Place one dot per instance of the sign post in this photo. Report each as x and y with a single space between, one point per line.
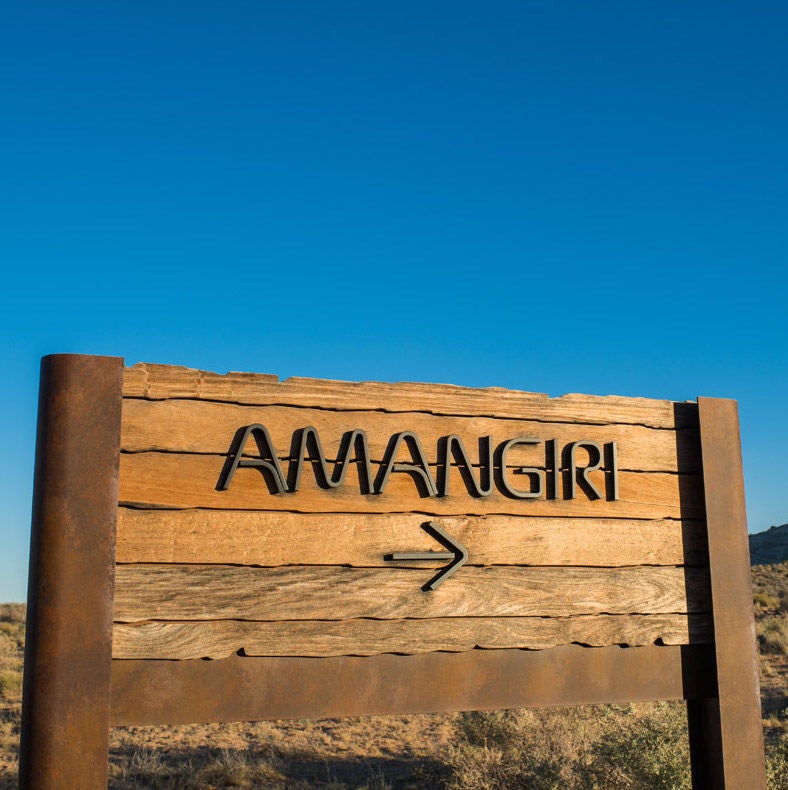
345 549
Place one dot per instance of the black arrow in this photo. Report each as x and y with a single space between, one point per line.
457 553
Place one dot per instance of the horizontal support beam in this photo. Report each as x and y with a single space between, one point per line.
247 689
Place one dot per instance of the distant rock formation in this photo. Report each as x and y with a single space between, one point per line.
769 547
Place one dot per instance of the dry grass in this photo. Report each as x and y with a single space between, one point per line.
770 593
635 746
372 752
771 583
12 645
773 634
515 747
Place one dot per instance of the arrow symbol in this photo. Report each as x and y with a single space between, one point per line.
457 553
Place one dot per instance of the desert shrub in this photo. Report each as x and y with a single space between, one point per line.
493 768
648 751
12 637
777 763
488 728
639 747
773 634
772 582
765 602
518 748
10 683
535 748
626 746
12 612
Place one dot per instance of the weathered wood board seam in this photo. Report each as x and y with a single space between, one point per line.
681 427
182 640
317 391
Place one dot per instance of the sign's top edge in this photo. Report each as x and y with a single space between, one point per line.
154 380
158 370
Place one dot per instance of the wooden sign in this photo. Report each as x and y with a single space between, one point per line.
231 547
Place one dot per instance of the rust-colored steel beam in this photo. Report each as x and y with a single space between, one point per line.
246 689
726 734
65 706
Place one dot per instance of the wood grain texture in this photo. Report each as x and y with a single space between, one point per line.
279 538
197 592
173 480
185 640
159 382
204 427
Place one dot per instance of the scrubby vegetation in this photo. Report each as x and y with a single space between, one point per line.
770 588
12 645
634 746
770 596
773 635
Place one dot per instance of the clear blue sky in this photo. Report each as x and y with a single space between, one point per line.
549 196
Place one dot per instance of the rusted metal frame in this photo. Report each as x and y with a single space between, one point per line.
245 689
68 648
726 734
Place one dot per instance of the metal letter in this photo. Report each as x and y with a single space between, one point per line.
612 471
353 440
517 493
420 468
585 483
267 462
451 446
556 464
306 443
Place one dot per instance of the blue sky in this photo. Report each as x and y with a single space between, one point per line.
549 196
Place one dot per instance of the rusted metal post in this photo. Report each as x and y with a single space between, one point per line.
68 650
726 734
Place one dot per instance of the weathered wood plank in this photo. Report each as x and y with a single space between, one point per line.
222 638
173 480
205 427
237 537
188 592
159 382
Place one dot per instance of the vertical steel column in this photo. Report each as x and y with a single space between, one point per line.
726 734
68 650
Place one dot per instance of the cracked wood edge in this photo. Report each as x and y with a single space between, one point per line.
190 640
158 382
